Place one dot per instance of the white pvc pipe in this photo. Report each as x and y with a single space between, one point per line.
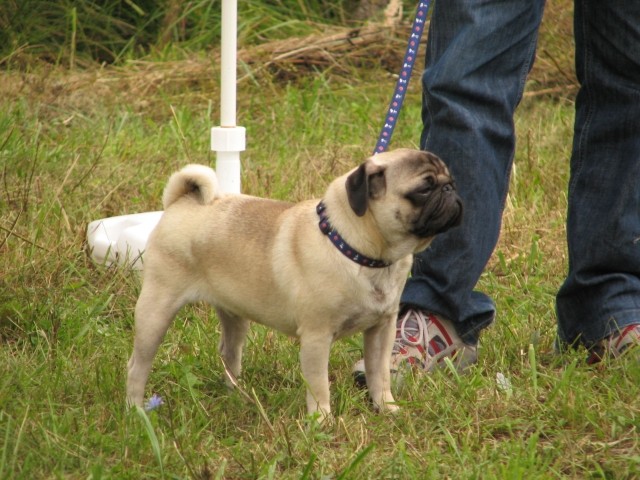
228 140
228 171
229 43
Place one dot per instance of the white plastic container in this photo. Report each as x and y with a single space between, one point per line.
121 239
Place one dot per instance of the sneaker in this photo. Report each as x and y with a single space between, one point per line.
616 344
423 341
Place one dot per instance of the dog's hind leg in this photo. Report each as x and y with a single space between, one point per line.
155 310
234 332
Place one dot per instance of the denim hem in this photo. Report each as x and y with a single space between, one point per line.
597 331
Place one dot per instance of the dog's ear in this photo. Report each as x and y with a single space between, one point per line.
365 183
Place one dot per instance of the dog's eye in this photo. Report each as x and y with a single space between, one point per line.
428 186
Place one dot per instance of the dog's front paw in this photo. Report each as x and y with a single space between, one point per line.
319 418
388 408
385 403
319 414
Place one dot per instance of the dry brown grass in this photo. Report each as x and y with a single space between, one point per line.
554 70
332 50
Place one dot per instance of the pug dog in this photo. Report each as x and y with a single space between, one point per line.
318 270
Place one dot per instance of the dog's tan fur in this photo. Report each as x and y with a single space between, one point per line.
267 261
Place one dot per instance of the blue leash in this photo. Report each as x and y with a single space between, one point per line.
403 80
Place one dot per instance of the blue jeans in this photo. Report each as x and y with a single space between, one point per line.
478 56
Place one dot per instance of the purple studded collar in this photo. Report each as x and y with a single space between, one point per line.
342 245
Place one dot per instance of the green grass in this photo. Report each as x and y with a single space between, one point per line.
112 31
80 145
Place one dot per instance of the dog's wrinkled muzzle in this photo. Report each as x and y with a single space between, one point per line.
439 214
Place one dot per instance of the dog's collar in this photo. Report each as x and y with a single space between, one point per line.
346 249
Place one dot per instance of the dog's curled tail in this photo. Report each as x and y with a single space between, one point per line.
198 181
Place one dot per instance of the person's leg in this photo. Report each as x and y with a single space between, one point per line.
478 57
601 294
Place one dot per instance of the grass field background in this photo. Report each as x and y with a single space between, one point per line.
82 140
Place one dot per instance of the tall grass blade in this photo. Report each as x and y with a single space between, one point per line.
19 440
153 438
138 10
452 368
5 445
346 473
563 384
306 473
74 32
534 368
221 469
